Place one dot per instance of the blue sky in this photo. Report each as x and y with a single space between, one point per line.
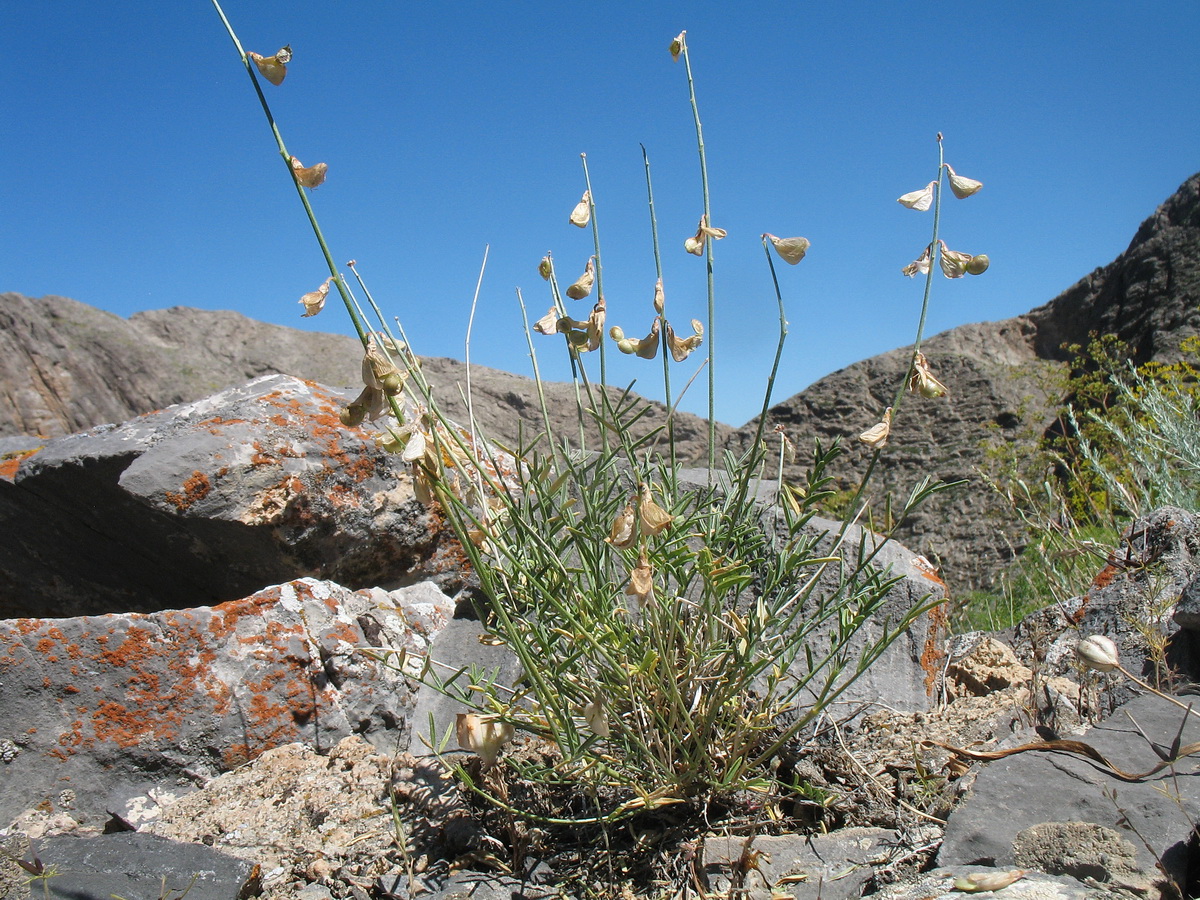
142 174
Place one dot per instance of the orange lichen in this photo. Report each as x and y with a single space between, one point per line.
11 462
932 653
195 489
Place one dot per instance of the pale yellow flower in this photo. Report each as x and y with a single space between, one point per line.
790 250
646 348
695 244
624 528
547 324
582 213
659 299
681 348
309 177
920 200
962 186
922 380
314 301
953 263
583 286
877 436
484 735
653 518
273 68
920 264
641 580
1099 653
596 717
677 45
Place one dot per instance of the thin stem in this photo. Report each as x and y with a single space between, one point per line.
287 159
658 272
599 266
537 381
712 383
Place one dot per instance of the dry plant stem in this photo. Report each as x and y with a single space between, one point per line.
556 295
711 336
658 272
287 161
1186 707
467 345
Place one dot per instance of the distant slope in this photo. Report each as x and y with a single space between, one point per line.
1148 296
66 366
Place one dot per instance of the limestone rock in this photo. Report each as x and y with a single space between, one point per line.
211 501
118 714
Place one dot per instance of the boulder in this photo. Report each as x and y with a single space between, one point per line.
117 714
210 501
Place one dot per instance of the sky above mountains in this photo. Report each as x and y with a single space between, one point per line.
143 175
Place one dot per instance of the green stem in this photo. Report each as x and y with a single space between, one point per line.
287 160
599 266
537 381
658 272
712 383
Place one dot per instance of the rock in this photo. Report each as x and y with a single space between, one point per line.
939 885
1020 805
134 866
127 712
833 866
1132 600
211 501
1087 852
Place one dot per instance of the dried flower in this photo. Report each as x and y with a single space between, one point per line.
876 436
646 348
546 268
309 177
652 517
484 735
920 264
660 300
624 529
596 717
314 301
681 348
678 45
920 200
582 213
987 881
369 404
961 186
1099 653
641 580
790 250
378 369
922 380
273 68
953 263
695 244
583 286
547 324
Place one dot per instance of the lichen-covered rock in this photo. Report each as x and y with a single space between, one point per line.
119 713
211 501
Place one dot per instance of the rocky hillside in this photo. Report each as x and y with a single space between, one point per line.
66 366
996 371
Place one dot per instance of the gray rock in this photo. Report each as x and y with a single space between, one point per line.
834 866
130 711
211 501
135 867
1029 790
